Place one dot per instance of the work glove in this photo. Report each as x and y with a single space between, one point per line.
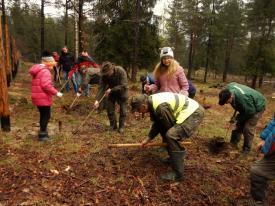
78 94
59 94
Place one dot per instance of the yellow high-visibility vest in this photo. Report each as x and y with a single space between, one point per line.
181 105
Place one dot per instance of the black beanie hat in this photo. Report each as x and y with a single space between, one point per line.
224 96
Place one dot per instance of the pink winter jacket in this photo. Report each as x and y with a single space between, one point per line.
42 88
177 83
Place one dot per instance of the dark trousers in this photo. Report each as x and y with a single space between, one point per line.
260 173
111 111
45 115
245 127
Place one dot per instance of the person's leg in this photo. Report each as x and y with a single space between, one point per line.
237 132
248 131
122 114
260 172
66 73
175 150
111 113
45 115
55 73
74 81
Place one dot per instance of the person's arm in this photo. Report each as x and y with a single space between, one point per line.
101 88
183 82
46 82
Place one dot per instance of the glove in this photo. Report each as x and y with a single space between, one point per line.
59 94
78 94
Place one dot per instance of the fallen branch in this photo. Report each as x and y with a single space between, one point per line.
148 145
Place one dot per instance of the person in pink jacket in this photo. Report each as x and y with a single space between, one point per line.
169 75
42 91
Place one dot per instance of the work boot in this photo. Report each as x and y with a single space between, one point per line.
177 166
43 136
113 125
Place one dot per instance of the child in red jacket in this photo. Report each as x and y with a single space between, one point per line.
43 90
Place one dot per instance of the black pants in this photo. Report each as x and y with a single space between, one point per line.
45 115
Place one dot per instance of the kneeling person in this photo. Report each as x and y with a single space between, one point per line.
175 117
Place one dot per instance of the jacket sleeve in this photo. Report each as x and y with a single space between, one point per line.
156 86
75 67
46 82
123 82
267 130
183 82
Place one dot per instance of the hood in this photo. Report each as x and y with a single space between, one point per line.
35 69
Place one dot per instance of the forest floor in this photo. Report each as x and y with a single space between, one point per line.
81 170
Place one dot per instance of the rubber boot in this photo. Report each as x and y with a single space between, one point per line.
177 166
43 136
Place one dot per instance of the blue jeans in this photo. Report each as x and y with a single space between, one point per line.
75 82
66 74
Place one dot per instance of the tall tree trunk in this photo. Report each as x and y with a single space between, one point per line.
80 22
261 80
8 53
254 81
66 24
190 56
76 34
42 27
135 60
229 46
4 105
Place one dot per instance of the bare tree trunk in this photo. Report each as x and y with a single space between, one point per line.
80 22
254 81
261 80
42 27
76 37
229 46
66 24
190 56
4 105
135 60
8 54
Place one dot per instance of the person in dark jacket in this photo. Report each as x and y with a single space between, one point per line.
66 60
264 170
250 104
113 84
175 117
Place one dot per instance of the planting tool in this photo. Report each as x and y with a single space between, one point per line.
72 104
88 116
148 145
64 84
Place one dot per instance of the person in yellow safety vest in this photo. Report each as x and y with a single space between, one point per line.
175 117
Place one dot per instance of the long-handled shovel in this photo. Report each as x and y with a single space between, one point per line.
148 145
72 104
88 116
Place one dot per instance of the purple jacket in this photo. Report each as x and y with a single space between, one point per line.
177 83
42 88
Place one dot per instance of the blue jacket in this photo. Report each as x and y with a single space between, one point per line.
268 135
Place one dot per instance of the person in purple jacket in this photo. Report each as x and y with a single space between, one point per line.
169 75
42 91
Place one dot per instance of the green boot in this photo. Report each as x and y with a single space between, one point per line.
177 164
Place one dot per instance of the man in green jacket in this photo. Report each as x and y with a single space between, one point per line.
250 104
113 84
175 117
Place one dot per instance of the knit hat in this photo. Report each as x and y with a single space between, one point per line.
106 67
224 96
47 57
166 51
137 101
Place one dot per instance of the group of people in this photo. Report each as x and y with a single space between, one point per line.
83 72
175 116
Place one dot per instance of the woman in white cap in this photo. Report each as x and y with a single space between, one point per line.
169 75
